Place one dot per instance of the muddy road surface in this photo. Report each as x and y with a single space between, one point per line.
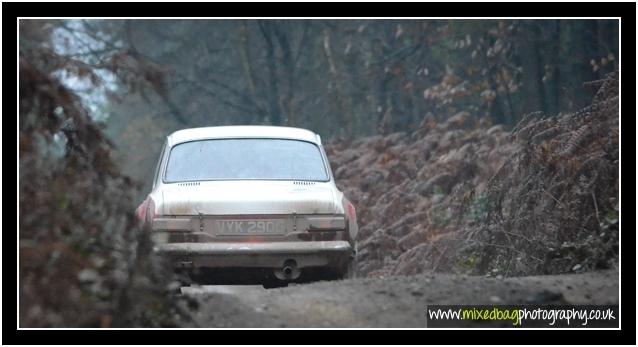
392 302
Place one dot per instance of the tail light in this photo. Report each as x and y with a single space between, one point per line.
351 212
140 212
351 218
146 211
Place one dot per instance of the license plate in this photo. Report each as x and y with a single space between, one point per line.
250 227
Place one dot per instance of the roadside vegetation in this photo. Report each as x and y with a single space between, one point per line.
83 260
469 197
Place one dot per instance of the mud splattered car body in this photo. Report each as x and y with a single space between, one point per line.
244 198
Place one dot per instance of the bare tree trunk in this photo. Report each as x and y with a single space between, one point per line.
532 65
289 67
380 85
273 91
345 118
539 69
586 31
496 109
553 84
246 61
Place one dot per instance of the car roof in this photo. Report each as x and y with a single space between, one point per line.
242 131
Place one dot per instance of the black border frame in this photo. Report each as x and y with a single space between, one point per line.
627 12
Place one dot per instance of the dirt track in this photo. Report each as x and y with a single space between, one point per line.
393 302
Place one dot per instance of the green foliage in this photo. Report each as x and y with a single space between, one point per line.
441 217
611 218
467 264
479 208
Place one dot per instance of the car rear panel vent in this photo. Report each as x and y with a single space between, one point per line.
303 183
188 184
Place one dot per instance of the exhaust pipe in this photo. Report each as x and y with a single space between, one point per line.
289 271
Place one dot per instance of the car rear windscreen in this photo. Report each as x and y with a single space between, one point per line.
236 159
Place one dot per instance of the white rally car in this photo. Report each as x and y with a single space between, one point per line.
250 203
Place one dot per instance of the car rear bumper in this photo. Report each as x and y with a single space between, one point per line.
258 255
